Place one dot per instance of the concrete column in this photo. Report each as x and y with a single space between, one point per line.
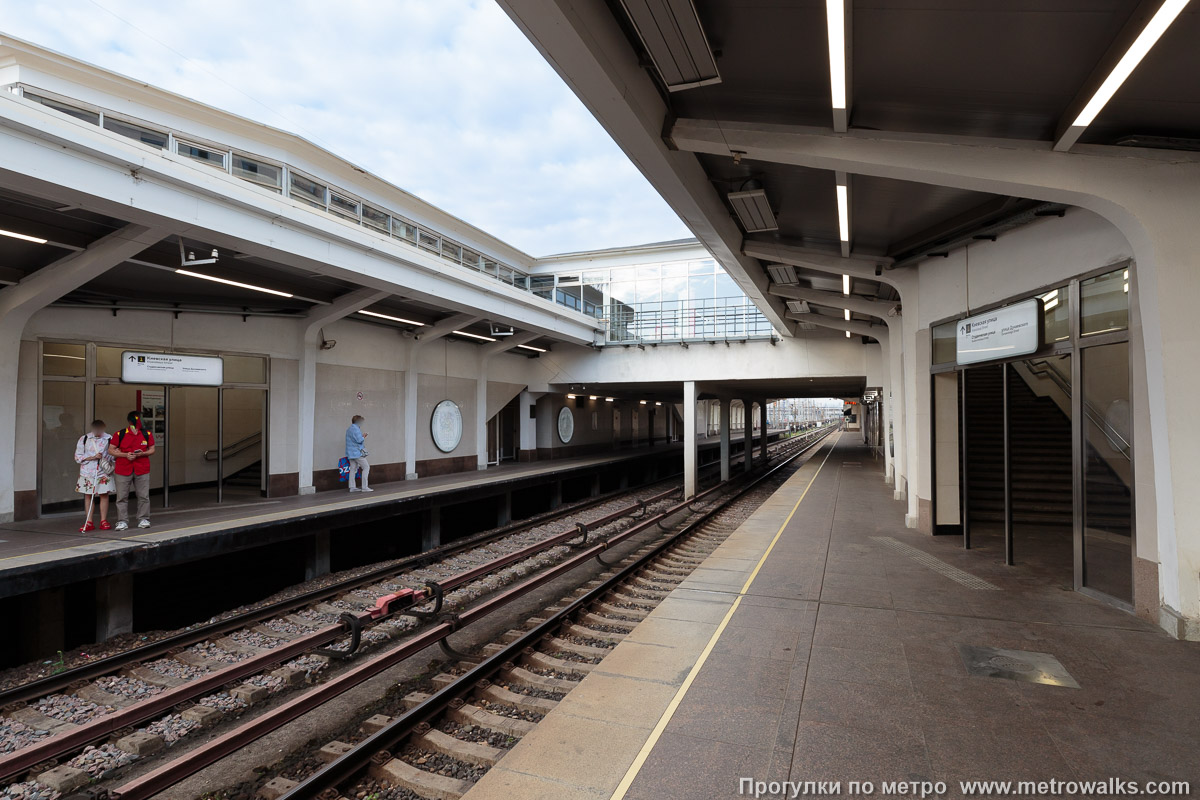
114 606
763 424
481 415
689 439
306 397
595 490
724 431
43 623
555 494
19 302
528 426
748 435
412 379
317 560
431 528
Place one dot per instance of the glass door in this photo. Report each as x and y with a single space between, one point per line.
114 401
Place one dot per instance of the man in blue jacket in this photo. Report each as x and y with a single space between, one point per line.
356 453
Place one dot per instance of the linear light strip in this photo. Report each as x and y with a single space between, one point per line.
1154 29
531 347
393 319
835 15
227 282
475 336
843 208
23 236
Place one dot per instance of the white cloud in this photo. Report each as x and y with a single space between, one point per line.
444 98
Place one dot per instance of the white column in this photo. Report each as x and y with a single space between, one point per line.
724 431
747 435
689 439
762 413
527 424
20 302
311 337
481 416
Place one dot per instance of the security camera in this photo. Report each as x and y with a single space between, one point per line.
328 344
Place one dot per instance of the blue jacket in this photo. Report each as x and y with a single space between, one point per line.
354 442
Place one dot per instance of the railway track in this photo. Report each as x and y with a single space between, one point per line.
515 686
132 706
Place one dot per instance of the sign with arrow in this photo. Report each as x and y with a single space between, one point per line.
172 369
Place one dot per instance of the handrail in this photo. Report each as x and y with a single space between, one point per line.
1042 366
240 446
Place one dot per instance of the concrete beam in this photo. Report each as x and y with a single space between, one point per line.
854 326
859 305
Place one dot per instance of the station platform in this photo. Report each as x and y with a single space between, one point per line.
823 642
38 554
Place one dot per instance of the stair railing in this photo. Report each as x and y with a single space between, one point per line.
1043 367
240 446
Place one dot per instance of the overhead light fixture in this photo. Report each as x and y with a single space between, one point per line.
846 285
671 32
847 334
401 320
782 273
658 404
843 209
847 314
1145 40
570 397
501 330
609 399
799 307
835 18
753 210
643 402
228 282
22 236
531 347
593 397
1050 300
475 336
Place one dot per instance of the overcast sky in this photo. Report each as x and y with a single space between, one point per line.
445 98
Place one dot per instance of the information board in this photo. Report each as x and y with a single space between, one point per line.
171 369
1006 332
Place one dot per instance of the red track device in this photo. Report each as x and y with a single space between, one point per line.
383 604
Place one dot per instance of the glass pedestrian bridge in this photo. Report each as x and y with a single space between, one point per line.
724 319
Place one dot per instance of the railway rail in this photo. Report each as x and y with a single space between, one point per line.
256 671
676 554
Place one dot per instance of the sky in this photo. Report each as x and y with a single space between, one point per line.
444 98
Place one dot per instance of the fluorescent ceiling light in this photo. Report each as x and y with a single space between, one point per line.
753 210
531 347
593 397
1050 305
238 284
393 319
843 206
847 314
475 336
1154 29
608 399
61 355
847 334
846 284
22 236
658 404
570 397
643 402
835 16
671 32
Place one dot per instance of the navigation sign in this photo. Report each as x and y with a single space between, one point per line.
1006 332
171 369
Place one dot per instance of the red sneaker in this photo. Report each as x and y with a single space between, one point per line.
104 526
87 526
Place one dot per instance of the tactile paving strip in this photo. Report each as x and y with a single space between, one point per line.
936 564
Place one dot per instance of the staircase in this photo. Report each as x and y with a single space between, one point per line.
1040 440
249 477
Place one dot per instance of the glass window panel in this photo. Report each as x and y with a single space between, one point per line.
427 241
564 280
647 271
63 422
1104 302
945 343
541 285
65 108
727 286
64 359
374 218
520 280
307 190
402 229
623 292
1056 312
677 270
136 132
205 155
470 258
624 274
1108 471
491 267
674 289
343 206
245 369
257 172
596 276
451 251
704 267
701 289
649 291
108 362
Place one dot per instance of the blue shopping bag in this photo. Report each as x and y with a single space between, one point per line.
343 469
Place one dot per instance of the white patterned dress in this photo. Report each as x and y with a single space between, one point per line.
92 479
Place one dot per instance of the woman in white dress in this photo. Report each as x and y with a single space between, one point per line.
95 474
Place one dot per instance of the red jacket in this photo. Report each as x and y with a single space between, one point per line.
127 441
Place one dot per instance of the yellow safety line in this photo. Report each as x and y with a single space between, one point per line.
665 719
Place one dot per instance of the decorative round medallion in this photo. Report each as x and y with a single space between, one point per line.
566 424
446 425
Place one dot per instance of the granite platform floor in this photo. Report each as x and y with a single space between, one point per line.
821 642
